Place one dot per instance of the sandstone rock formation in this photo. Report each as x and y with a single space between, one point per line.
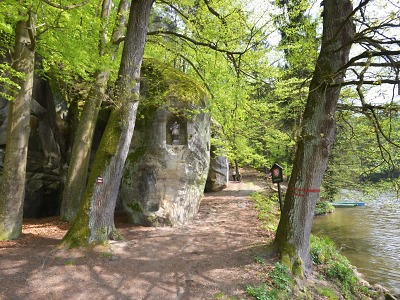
218 174
166 171
45 159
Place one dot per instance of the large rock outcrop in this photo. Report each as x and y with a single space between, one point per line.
45 151
166 170
218 174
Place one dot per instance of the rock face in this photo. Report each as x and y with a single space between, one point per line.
166 170
218 174
45 151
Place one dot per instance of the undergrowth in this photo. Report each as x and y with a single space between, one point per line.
323 208
336 268
332 268
267 206
279 288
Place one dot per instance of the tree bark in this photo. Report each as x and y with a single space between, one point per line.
317 137
79 163
12 189
95 219
80 155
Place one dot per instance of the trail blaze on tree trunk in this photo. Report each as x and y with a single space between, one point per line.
317 138
95 219
77 171
78 167
12 189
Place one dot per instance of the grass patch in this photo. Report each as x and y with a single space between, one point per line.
259 260
279 287
337 269
267 206
69 262
328 293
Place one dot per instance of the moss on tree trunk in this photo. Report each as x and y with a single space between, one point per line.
317 138
95 219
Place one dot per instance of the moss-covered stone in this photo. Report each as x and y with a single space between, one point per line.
162 85
135 207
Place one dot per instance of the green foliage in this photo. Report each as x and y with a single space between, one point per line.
281 283
8 79
281 278
238 37
358 161
262 292
323 208
222 296
328 293
322 250
11 12
341 271
267 206
336 267
259 260
70 51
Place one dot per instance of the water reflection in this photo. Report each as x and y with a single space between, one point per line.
369 237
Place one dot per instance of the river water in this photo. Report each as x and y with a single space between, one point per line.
369 236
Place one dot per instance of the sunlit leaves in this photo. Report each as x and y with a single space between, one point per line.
70 46
228 55
8 86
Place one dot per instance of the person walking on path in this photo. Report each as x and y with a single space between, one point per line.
234 175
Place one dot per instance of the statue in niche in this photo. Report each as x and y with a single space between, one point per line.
175 133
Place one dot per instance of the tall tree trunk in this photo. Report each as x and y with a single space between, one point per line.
317 138
95 219
12 189
80 155
78 167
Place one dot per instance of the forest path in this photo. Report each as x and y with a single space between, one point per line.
213 257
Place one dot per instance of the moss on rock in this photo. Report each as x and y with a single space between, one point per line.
163 85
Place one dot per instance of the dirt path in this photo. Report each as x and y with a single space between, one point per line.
211 258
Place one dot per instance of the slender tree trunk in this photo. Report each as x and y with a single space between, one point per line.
78 167
12 188
95 219
317 138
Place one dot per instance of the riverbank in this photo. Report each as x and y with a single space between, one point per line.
368 237
223 254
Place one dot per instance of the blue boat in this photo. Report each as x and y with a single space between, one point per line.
347 204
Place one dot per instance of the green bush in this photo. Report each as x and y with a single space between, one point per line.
323 208
322 250
342 271
262 292
280 276
335 266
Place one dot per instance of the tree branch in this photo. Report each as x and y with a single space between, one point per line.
369 82
67 7
367 54
210 45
